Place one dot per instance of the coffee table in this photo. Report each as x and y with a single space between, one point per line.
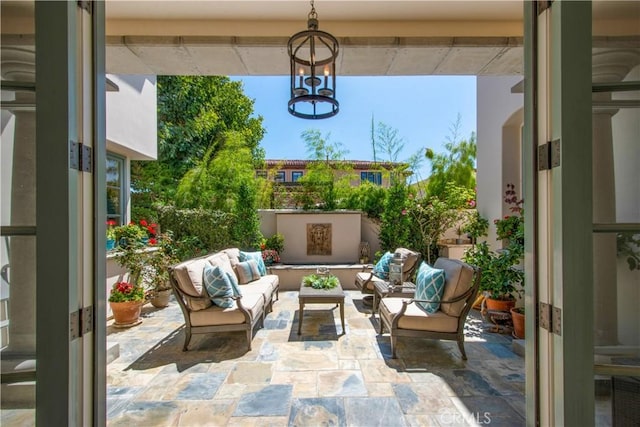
383 289
309 295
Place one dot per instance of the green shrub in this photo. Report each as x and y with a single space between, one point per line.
197 230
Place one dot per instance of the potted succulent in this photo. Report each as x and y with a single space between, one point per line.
126 301
320 281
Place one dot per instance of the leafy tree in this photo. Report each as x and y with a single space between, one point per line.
430 218
215 181
196 116
394 227
388 141
367 197
246 224
328 177
457 165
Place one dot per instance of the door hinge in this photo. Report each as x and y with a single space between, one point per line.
549 155
80 322
80 157
550 318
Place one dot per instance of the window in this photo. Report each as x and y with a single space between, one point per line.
296 175
261 174
279 176
374 177
115 188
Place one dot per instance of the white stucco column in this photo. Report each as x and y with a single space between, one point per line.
609 65
22 301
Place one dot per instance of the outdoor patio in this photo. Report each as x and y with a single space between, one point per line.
322 377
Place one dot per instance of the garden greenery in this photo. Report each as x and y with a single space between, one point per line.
197 231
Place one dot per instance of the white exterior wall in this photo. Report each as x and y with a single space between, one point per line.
499 119
625 131
132 117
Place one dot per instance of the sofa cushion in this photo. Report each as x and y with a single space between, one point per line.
257 257
215 315
221 259
415 318
233 254
218 285
381 268
429 286
459 278
197 303
247 271
189 276
263 286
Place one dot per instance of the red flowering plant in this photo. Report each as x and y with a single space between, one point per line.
151 230
272 248
125 291
269 256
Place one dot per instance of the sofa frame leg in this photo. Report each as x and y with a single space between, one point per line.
461 347
187 339
393 346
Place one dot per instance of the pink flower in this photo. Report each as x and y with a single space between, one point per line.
472 203
404 211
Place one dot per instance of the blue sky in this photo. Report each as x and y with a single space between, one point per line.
421 108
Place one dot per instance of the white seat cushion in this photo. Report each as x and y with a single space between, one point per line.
215 315
415 318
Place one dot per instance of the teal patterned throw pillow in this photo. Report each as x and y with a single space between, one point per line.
257 257
219 287
429 286
381 269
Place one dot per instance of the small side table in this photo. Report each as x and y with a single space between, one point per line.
383 289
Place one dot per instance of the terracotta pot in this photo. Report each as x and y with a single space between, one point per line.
499 304
160 299
518 324
126 314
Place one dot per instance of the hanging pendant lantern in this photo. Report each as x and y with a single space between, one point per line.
312 55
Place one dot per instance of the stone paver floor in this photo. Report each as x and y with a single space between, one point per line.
321 377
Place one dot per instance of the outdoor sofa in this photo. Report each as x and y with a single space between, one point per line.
247 305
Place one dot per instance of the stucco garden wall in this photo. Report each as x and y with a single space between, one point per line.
499 122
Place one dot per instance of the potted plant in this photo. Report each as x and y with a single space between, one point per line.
126 301
320 281
517 316
459 233
476 227
156 271
130 235
501 279
111 235
272 248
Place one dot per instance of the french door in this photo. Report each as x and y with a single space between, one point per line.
582 125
